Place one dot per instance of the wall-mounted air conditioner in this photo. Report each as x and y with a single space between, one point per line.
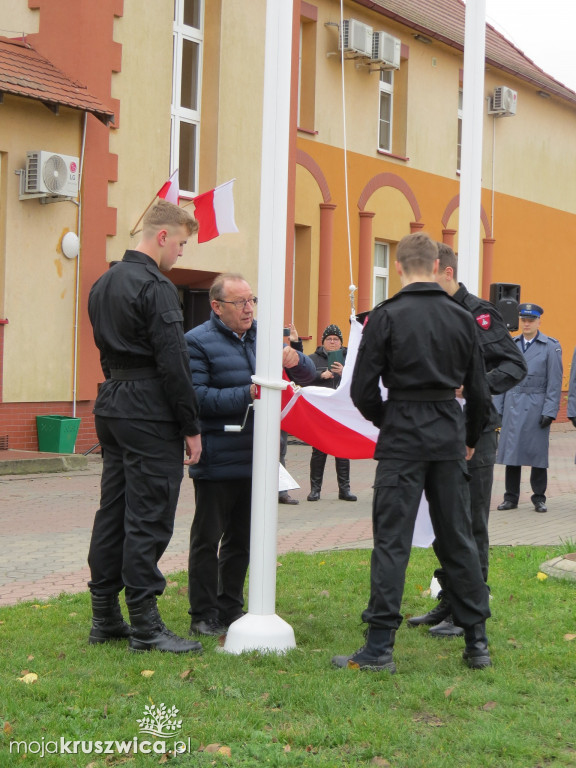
386 50
51 174
356 37
503 102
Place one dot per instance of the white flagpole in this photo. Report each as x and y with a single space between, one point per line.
472 123
261 628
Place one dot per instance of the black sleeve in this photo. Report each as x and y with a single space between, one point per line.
477 395
166 334
505 363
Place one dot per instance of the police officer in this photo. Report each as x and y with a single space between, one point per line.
422 346
145 416
528 409
505 367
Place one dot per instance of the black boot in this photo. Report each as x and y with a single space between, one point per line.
343 477
476 654
317 464
375 655
440 611
107 620
446 628
150 633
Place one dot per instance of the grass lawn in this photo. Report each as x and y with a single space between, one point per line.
296 710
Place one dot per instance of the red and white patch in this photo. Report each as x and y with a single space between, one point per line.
484 321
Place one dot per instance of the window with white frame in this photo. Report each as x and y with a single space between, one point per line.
380 279
385 110
186 92
459 150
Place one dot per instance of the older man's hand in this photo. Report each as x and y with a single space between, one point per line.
290 357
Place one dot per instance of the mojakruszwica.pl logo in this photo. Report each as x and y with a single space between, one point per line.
160 722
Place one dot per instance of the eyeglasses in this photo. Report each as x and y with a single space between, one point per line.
241 303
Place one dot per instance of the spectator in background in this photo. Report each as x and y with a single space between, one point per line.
329 374
528 409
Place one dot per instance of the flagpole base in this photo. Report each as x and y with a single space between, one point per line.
269 634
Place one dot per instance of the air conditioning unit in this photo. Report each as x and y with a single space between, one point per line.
504 101
386 50
356 37
51 174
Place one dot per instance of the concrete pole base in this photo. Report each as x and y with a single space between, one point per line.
269 634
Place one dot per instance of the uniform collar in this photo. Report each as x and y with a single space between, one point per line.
139 258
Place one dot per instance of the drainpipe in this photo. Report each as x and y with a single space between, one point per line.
77 302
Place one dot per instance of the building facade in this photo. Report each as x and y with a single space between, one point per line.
374 155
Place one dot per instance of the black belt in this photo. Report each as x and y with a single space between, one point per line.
421 395
133 374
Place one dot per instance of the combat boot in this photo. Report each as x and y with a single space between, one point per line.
107 620
375 654
433 617
150 632
446 628
476 654
343 478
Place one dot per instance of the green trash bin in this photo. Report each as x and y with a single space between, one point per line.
57 434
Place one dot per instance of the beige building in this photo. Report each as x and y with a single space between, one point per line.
135 96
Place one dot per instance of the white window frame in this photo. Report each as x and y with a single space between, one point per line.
386 89
181 114
459 141
380 272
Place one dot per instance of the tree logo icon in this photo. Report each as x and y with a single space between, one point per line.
159 721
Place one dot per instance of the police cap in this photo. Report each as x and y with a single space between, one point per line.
530 310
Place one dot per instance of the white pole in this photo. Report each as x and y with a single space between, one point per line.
472 122
261 628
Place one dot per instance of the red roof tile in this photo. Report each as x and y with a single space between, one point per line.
24 72
444 20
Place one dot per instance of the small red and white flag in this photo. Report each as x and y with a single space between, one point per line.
329 420
170 190
214 211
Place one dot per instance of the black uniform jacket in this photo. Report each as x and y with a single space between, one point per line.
421 344
138 325
505 364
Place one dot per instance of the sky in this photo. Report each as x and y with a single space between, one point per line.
543 30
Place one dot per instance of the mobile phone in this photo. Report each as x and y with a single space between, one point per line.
286 331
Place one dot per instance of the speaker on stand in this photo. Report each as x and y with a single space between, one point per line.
506 298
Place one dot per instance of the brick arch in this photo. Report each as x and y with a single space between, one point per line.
389 180
304 159
451 207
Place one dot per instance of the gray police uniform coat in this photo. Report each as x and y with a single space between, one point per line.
523 442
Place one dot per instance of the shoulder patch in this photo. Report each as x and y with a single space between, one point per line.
484 321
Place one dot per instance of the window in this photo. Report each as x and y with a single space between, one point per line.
386 108
186 92
459 157
307 68
381 261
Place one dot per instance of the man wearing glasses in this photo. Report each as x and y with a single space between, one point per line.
223 360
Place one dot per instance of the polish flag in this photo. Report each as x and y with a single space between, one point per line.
329 420
214 211
170 190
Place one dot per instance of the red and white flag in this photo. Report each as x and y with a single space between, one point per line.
214 211
170 190
329 420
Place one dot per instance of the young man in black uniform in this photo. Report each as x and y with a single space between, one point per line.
422 346
146 416
505 367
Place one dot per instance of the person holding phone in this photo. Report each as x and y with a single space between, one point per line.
329 361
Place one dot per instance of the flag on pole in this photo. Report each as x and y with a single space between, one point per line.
329 420
214 211
170 190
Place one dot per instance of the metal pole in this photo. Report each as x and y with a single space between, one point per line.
472 123
261 628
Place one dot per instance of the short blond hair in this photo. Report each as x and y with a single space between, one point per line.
164 214
416 253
